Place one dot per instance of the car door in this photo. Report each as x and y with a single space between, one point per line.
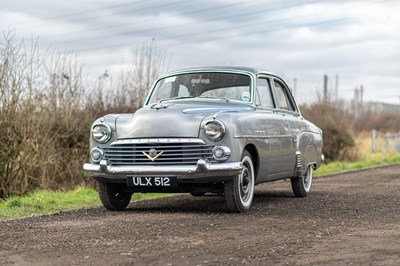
285 148
272 132
262 125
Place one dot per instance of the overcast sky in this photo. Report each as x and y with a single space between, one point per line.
357 40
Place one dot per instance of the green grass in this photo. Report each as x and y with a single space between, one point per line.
45 201
370 161
42 202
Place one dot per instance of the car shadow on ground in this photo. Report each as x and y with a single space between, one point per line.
186 203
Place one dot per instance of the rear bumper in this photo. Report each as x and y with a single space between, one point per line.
202 172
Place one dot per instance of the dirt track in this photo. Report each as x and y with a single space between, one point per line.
351 218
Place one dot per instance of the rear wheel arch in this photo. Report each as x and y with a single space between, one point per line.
307 145
310 155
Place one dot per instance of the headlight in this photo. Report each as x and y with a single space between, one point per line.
214 130
101 133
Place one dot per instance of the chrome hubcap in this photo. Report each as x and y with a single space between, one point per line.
246 182
307 179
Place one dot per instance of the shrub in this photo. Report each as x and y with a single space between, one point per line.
47 106
385 122
335 122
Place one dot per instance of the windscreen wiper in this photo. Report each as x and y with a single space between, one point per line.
176 98
213 97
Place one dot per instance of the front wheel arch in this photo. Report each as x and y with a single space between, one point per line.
251 148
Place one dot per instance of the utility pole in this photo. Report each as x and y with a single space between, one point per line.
337 87
295 87
361 99
325 87
356 100
362 94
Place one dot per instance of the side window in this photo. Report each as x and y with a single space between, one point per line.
282 99
264 96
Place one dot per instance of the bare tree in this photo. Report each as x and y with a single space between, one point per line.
148 62
47 105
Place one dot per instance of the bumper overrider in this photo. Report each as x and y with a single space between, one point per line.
202 172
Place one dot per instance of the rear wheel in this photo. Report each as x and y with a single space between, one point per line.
239 192
112 196
301 185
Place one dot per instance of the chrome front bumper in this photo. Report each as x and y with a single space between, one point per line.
202 170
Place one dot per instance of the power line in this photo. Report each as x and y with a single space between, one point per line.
146 21
276 25
176 27
217 18
109 7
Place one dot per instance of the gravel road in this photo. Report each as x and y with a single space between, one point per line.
351 218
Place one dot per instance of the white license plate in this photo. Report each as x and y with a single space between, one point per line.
152 181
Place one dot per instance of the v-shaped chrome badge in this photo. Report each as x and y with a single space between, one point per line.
152 155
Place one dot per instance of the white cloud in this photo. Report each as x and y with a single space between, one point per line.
357 40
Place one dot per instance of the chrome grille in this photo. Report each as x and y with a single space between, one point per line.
174 153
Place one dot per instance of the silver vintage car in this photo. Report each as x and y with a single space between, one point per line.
219 130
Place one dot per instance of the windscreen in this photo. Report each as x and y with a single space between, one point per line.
228 86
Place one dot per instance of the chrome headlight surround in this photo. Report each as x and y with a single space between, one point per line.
221 153
214 130
101 132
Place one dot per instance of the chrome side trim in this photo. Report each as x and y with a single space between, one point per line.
224 111
263 137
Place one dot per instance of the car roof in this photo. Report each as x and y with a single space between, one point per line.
252 70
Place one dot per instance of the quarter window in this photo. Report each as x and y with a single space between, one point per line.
281 97
264 96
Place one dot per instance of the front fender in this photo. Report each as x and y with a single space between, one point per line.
231 125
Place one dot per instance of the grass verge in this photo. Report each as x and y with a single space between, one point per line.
370 161
45 201
42 202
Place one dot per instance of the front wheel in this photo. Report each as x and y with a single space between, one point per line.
301 185
197 194
112 196
239 192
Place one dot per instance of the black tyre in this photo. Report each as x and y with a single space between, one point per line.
239 192
301 185
112 197
197 194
